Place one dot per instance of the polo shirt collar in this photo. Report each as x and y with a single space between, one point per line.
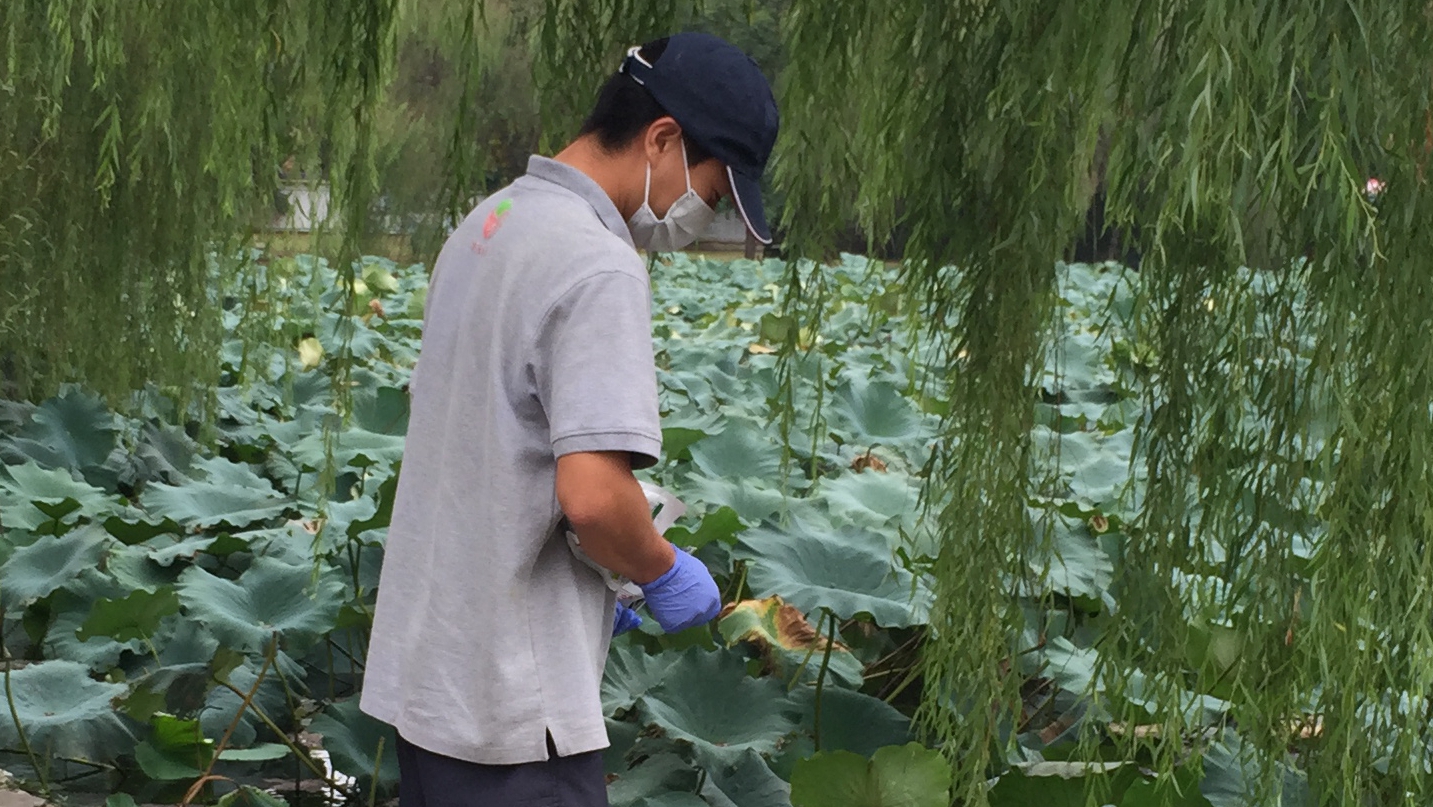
571 179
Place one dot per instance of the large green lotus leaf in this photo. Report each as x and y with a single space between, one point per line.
852 721
1079 361
870 498
164 549
290 543
707 699
66 713
1072 668
134 616
74 431
167 452
379 409
1182 790
352 741
622 736
221 704
304 422
32 497
13 539
752 500
1096 465
180 677
691 384
184 641
846 570
656 776
363 342
336 531
748 783
65 639
14 415
133 569
1061 783
868 412
743 449
1074 563
176 749
730 385
895 776
50 562
1230 771
720 524
354 447
134 526
269 596
630 672
229 494
677 440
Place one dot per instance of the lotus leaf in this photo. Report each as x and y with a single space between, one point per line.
853 721
707 699
66 712
136 616
230 494
846 570
630 673
868 412
74 431
895 776
66 640
33 497
871 499
353 447
270 597
655 777
36 570
749 782
1062 784
352 740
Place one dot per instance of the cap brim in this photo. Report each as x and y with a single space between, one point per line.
747 193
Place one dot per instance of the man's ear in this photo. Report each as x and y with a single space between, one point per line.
662 135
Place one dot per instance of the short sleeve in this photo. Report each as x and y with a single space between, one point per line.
594 371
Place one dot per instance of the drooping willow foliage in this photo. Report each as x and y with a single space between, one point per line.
1229 134
579 43
1288 311
138 140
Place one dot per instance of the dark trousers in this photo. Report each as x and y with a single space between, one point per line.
427 779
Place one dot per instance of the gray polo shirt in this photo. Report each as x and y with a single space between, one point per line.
537 342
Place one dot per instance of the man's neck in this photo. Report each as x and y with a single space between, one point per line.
613 173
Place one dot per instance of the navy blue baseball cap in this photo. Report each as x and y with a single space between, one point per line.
723 102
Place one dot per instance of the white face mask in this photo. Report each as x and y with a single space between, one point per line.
686 219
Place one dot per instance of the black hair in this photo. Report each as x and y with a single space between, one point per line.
625 109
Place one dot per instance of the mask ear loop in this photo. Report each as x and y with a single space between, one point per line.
647 189
685 168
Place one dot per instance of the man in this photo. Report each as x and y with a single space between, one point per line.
534 400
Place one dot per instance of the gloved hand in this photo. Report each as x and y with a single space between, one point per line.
684 596
624 619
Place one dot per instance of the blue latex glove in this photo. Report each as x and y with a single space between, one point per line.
624 619
684 596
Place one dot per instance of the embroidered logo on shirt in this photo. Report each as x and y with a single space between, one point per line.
495 218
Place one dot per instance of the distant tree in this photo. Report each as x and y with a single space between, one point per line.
140 143
460 116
